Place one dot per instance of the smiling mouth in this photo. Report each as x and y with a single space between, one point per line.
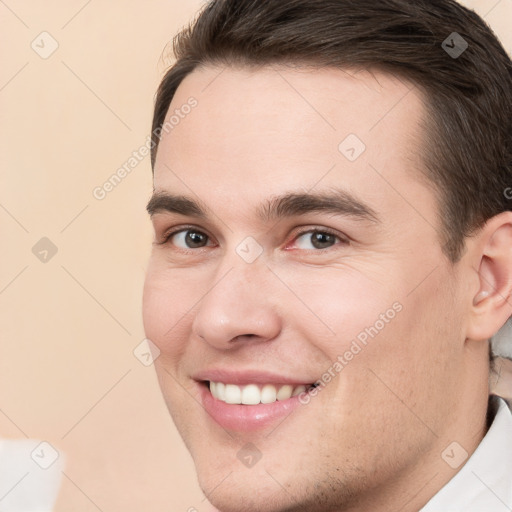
255 394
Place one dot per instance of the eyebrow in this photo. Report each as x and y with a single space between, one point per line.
335 201
166 202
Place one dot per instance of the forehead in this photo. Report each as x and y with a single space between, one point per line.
259 131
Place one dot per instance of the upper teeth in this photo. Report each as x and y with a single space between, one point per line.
252 394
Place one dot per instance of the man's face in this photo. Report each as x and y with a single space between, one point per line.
268 288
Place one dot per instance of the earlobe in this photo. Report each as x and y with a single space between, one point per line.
491 305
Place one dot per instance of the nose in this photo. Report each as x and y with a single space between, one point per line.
240 305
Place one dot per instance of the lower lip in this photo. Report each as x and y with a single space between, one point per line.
246 418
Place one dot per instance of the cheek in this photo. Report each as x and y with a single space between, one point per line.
338 305
167 300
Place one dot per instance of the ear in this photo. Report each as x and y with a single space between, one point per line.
492 304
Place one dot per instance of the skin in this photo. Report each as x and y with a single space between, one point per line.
372 439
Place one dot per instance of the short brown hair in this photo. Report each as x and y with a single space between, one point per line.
467 150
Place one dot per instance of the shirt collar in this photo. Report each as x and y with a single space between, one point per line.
485 481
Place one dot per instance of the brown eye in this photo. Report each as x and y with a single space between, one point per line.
189 239
316 240
322 240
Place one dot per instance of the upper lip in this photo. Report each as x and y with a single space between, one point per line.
247 377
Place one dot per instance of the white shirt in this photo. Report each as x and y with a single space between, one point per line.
30 474
484 483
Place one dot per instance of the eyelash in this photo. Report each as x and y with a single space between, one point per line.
342 239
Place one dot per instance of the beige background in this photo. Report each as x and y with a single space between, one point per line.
69 326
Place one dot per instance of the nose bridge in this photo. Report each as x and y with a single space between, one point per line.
238 303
